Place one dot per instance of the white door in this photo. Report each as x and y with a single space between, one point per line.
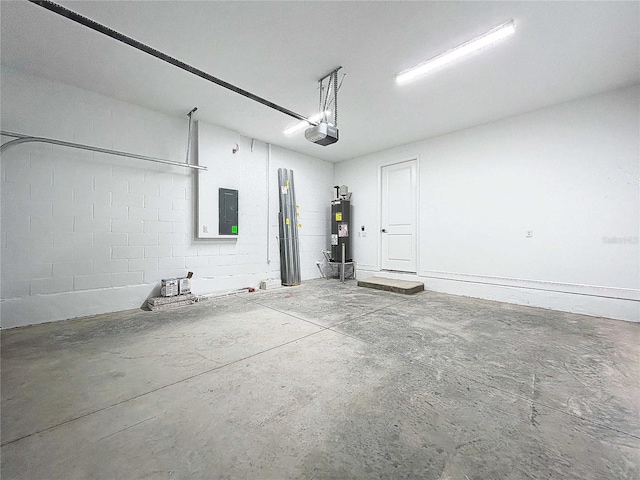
399 208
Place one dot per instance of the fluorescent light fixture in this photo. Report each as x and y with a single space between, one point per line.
299 126
467 48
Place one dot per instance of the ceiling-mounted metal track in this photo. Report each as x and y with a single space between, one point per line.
331 89
335 70
87 22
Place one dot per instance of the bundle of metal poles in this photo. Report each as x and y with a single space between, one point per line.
288 217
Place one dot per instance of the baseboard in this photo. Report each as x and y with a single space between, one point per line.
35 309
366 267
601 301
615 293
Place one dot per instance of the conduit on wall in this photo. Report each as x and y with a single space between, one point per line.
20 138
189 137
268 205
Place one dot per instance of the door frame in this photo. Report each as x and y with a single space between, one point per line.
409 158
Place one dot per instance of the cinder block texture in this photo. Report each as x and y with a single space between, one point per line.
104 230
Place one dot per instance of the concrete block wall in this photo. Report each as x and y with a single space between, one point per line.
85 233
257 245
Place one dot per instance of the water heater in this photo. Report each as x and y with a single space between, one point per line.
341 225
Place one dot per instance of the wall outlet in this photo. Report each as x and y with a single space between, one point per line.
205 229
529 233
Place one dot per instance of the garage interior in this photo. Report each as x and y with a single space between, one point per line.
505 183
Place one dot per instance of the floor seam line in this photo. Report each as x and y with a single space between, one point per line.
336 324
294 316
369 313
219 367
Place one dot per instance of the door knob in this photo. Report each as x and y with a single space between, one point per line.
384 230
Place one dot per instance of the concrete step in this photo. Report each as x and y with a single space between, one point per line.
164 303
392 285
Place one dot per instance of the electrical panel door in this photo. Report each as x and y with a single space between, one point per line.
228 208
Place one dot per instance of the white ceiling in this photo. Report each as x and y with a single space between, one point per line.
278 50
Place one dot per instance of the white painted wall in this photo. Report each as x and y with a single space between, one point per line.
246 171
570 173
85 233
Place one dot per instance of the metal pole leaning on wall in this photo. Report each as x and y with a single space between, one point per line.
282 181
295 244
289 251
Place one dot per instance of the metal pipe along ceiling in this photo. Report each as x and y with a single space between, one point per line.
19 138
87 22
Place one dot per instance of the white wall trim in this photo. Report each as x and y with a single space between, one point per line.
417 219
409 158
617 293
600 301
379 218
366 267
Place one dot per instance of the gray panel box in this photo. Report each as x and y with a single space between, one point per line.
228 211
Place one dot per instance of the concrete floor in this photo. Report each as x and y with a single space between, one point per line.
324 381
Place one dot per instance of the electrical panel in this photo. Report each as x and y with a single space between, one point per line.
228 211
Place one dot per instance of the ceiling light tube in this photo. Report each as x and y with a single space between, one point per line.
462 50
299 126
